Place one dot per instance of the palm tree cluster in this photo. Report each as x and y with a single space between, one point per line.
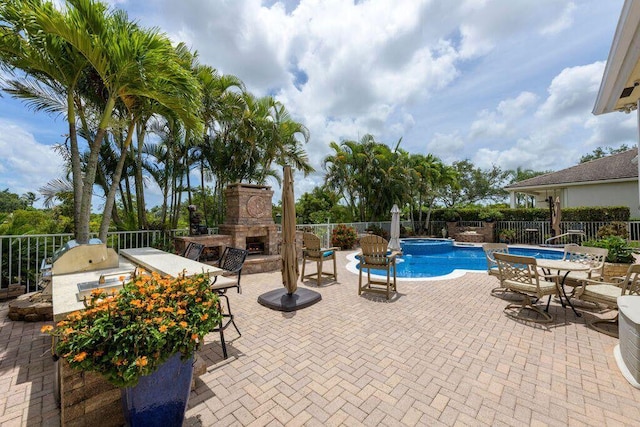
371 177
116 83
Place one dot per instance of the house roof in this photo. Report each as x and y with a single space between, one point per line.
620 87
616 167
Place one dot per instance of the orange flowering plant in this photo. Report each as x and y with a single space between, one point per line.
128 334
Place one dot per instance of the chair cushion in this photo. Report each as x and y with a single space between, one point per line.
604 292
327 253
546 287
223 283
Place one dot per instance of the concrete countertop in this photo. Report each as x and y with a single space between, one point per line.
65 287
167 264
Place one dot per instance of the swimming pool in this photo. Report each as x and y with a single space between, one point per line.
450 263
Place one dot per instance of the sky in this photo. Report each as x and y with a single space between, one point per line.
499 82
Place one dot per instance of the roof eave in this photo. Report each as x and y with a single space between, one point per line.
572 184
622 60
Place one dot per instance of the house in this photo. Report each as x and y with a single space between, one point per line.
608 181
620 87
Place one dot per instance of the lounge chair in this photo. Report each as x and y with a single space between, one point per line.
375 255
607 293
312 251
521 275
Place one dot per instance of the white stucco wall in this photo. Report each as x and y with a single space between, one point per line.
620 194
614 194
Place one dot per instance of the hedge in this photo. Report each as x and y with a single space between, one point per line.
598 213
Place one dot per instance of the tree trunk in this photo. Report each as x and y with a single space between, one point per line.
111 196
141 205
83 232
76 165
204 195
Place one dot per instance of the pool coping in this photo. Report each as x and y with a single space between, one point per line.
455 274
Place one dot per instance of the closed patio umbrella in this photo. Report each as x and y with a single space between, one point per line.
556 217
394 241
289 256
289 297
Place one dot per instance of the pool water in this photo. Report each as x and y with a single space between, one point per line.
457 258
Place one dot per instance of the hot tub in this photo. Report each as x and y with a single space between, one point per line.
418 246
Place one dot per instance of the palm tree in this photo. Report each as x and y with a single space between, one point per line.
109 63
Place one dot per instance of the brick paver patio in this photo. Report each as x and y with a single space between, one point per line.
441 353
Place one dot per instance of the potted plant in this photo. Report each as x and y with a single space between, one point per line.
145 333
619 258
507 235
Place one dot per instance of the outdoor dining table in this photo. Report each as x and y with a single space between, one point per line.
558 265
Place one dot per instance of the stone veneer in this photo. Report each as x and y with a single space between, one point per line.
482 234
249 215
88 399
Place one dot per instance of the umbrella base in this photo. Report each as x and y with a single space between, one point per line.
278 299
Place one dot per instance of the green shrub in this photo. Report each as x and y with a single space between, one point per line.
619 250
344 237
378 231
614 229
597 213
507 235
405 231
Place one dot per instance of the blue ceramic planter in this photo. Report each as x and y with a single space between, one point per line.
160 399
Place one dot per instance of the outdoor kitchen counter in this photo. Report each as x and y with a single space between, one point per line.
166 263
65 287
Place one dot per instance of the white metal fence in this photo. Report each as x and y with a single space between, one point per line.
21 256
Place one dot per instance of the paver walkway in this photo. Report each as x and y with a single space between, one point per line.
441 353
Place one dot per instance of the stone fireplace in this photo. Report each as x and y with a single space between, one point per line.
248 225
249 219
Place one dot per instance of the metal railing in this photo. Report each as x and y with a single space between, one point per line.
573 235
21 256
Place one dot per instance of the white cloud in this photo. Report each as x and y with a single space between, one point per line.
446 147
572 92
563 22
25 165
462 79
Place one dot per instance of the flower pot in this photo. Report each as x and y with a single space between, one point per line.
160 399
614 269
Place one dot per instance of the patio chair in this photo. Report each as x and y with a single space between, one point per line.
593 257
312 251
521 275
607 293
374 255
492 266
232 261
193 251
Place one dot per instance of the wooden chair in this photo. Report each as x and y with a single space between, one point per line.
520 274
607 293
312 251
375 255
492 265
593 257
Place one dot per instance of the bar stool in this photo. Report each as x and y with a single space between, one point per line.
232 261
